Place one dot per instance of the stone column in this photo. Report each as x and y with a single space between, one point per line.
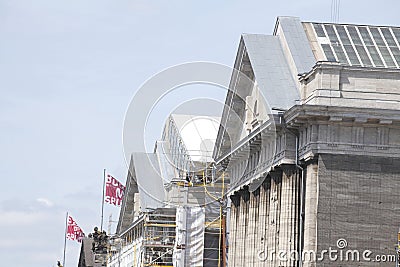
233 229
284 219
245 232
294 238
252 228
262 227
239 237
288 216
310 213
266 209
241 229
274 216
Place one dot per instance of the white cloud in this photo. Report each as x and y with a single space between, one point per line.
18 242
18 218
44 257
45 202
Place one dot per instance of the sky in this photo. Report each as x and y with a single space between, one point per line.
68 70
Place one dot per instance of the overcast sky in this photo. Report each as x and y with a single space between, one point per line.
68 70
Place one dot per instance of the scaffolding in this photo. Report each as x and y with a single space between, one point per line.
206 189
149 241
159 237
215 234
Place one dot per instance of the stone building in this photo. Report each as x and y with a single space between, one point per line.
311 142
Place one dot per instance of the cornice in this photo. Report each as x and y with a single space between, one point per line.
301 114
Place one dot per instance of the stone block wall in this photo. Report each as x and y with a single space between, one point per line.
359 201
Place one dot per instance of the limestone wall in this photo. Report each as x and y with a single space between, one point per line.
335 85
358 200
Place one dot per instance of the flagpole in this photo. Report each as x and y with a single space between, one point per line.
102 202
65 237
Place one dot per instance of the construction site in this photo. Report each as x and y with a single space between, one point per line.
173 213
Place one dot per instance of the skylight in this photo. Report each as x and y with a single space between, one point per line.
353 45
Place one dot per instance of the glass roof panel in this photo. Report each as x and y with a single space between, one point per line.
396 32
341 56
354 35
319 30
377 36
363 55
375 56
388 37
343 35
328 52
331 34
396 54
351 54
365 36
386 56
369 46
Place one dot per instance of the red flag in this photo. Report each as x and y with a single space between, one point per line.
114 191
74 232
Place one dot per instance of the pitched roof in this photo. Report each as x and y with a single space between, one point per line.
150 183
297 42
144 177
271 70
126 214
272 74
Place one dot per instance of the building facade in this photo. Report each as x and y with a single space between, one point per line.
310 137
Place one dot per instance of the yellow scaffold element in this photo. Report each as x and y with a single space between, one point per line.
213 224
220 221
184 183
220 213
160 224
153 238
205 188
